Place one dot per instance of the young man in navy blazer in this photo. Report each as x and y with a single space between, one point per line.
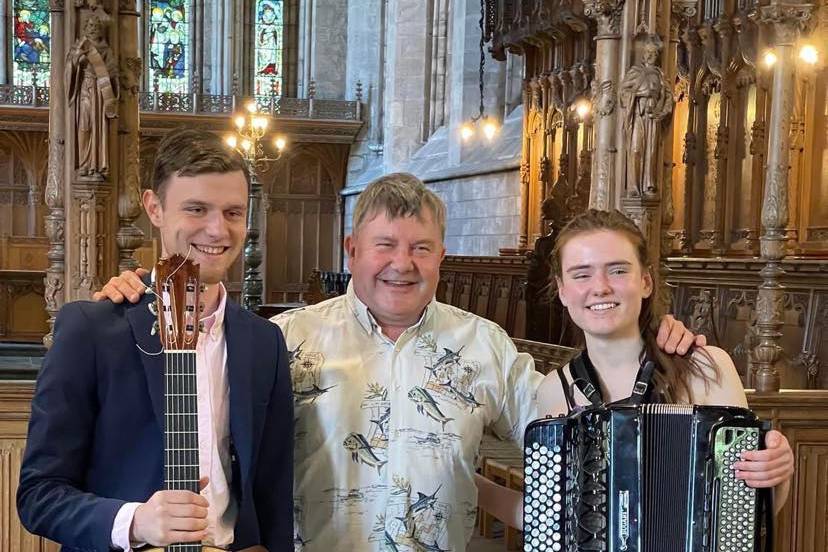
93 469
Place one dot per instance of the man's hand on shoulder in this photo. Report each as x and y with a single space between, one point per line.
127 285
170 517
674 337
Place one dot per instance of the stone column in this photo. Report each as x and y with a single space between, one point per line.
787 20
55 293
129 236
607 13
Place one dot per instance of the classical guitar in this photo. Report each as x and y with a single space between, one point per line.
177 291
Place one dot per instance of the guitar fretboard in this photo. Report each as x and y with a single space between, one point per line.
181 429
180 421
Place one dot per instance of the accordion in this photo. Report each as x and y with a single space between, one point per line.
644 478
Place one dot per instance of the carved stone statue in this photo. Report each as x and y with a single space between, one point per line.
90 76
646 98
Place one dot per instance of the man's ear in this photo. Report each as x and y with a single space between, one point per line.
350 247
153 207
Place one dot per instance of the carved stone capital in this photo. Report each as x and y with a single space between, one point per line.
683 9
607 13
788 20
681 12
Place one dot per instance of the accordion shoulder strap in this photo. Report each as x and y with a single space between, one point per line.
586 378
567 390
642 383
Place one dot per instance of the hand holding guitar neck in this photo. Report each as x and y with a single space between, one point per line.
177 514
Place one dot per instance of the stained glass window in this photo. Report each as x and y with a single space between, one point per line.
169 45
268 45
31 38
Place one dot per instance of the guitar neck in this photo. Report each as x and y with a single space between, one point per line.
181 470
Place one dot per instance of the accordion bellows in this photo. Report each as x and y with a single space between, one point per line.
649 478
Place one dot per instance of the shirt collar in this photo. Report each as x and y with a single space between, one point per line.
214 324
367 320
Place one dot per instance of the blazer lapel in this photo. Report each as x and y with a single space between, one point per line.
238 336
141 319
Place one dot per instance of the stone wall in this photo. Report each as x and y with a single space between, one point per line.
418 63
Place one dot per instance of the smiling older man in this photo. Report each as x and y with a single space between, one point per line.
393 389
397 388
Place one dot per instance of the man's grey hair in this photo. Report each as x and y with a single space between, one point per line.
398 195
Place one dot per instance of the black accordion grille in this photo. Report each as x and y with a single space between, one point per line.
667 435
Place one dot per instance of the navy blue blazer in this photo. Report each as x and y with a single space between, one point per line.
96 430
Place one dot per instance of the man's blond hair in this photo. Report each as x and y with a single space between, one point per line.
398 195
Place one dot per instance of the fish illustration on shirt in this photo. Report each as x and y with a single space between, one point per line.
310 394
295 354
424 502
382 421
428 406
362 451
466 398
429 439
449 357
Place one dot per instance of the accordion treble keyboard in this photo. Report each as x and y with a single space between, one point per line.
651 478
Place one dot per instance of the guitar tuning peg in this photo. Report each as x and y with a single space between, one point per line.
155 328
153 308
201 307
202 288
201 327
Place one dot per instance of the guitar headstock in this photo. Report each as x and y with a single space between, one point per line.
177 297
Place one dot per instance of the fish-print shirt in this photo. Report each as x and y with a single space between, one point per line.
388 433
